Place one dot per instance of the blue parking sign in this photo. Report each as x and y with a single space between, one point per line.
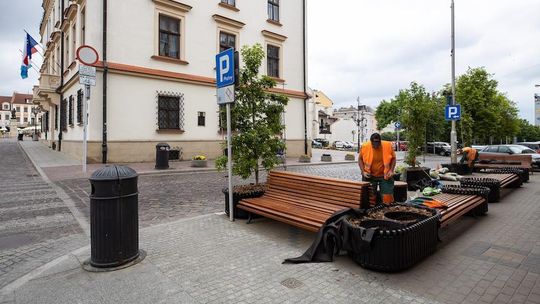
452 112
225 68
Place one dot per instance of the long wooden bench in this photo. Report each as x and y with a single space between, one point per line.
458 205
306 201
496 160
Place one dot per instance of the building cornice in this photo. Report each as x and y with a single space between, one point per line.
228 21
70 12
174 5
273 35
120 68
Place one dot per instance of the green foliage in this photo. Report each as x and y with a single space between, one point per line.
386 113
486 112
255 119
527 132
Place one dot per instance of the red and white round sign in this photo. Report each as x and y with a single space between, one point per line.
87 55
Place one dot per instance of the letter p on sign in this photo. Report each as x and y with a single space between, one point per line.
452 112
224 68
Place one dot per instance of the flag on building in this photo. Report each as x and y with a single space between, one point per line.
29 48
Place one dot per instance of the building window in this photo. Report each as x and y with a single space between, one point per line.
229 2
83 25
273 10
70 111
74 42
6 107
170 112
56 117
169 36
201 119
226 41
80 107
273 60
26 119
63 115
66 59
7 116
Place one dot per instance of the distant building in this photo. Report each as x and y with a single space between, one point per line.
537 109
24 106
322 115
357 121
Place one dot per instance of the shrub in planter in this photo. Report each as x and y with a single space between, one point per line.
199 161
241 192
349 156
304 159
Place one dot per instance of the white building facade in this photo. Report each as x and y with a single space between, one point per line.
24 110
156 74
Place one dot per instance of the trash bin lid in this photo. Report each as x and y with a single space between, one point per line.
162 144
113 172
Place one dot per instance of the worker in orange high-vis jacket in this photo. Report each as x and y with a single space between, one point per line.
469 154
377 161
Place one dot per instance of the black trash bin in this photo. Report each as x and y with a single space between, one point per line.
114 219
162 156
20 136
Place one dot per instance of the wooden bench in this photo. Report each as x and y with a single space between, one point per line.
306 201
458 205
496 160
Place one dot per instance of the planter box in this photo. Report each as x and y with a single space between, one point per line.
304 159
350 157
413 175
239 213
199 163
395 248
326 158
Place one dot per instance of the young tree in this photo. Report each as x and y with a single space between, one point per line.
255 119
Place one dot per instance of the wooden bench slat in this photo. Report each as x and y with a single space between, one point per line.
341 194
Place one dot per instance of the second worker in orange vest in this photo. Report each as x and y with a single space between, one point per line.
377 161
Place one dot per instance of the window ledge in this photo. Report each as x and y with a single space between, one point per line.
228 6
170 131
274 22
168 59
276 79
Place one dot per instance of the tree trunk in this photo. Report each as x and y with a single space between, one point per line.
257 173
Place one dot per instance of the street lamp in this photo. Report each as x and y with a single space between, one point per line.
36 111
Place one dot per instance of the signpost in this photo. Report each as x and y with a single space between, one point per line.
87 57
397 124
225 66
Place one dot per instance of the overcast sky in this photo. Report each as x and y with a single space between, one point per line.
372 48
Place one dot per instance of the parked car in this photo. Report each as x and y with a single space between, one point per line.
348 145
338 144
514 149
478 148
535 145
439 147
315 144
323 141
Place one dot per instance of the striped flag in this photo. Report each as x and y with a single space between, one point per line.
29 48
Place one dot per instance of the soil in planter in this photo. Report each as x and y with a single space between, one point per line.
404 215
241 192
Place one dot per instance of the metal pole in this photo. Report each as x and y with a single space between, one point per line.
85 125
229 163
453 134
397 139
358 121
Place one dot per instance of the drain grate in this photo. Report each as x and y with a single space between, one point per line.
292 283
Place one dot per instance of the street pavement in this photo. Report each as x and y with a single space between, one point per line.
35 224
195 255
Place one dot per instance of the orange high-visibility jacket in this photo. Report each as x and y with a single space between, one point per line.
471 155
367 156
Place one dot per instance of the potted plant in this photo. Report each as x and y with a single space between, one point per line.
256 124
198 161
350 156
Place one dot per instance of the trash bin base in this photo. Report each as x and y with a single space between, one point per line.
89 267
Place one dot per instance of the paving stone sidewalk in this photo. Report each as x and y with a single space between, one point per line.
35 224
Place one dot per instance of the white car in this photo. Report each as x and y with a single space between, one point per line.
348 144
338 144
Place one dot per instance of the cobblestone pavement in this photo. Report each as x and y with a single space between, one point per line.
207 259
35 225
